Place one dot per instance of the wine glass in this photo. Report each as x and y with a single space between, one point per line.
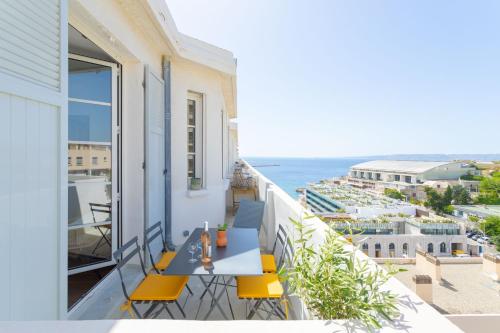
192 249
200 247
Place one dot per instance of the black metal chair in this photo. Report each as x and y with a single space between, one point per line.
269 260
105 229
152 233
249 215
268 289
154 289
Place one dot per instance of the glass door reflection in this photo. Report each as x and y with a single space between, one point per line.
91 164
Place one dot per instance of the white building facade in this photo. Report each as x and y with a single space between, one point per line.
108 114
410 172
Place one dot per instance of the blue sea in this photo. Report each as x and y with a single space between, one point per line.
292 173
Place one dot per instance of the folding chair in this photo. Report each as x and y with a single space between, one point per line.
152 233
249 215
154 288
267 289
269 260
101 208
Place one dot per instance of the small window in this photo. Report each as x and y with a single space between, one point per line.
397 178
94 160
405 249
79 161
430 248
194 138
365 248
69 161
442 248
378 176
408 179
392 250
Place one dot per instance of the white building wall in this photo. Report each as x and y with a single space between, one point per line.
191 208
414 242
448 171
134 48
33 164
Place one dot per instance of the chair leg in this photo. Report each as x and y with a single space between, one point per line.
168 310
209 285
228 300
189 289
273 309
138 314
150 310
254 309
180 309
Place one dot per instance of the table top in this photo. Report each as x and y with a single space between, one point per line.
240 257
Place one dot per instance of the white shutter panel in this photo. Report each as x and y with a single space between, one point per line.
154 149
33 166
30 40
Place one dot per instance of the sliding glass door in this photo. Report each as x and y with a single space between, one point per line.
92 163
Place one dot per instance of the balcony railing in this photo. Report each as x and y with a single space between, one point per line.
415 314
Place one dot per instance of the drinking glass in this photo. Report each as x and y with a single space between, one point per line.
200 247
192 249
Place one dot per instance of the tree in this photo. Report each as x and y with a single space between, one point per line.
447 196
395 194
440 203
489 191
491 226
460 195
496 241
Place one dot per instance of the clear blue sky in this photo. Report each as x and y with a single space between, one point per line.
345 78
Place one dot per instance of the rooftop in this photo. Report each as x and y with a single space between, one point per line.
464 289
482 209
349 196
400 166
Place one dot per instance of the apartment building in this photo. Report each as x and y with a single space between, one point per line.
106 119
408 177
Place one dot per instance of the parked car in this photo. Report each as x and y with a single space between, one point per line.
476 237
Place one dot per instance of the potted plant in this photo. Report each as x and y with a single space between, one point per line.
221 235
332 283
195 183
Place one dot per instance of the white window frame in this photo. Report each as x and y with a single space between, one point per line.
200 139
114 162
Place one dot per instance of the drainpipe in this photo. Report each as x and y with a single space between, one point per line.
168 151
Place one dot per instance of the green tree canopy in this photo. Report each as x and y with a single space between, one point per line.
393 193
491 226
460 195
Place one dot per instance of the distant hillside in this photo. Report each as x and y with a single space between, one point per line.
435 157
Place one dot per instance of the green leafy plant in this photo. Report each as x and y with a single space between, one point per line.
394 194
222 227
334 284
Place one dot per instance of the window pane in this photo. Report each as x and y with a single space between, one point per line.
89 81
191 166
93 162
89 201
191 139
89 122
191 112
89 246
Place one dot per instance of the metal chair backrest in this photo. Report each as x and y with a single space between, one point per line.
249 215
123 256
286 259
279 243
99 208
153 233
